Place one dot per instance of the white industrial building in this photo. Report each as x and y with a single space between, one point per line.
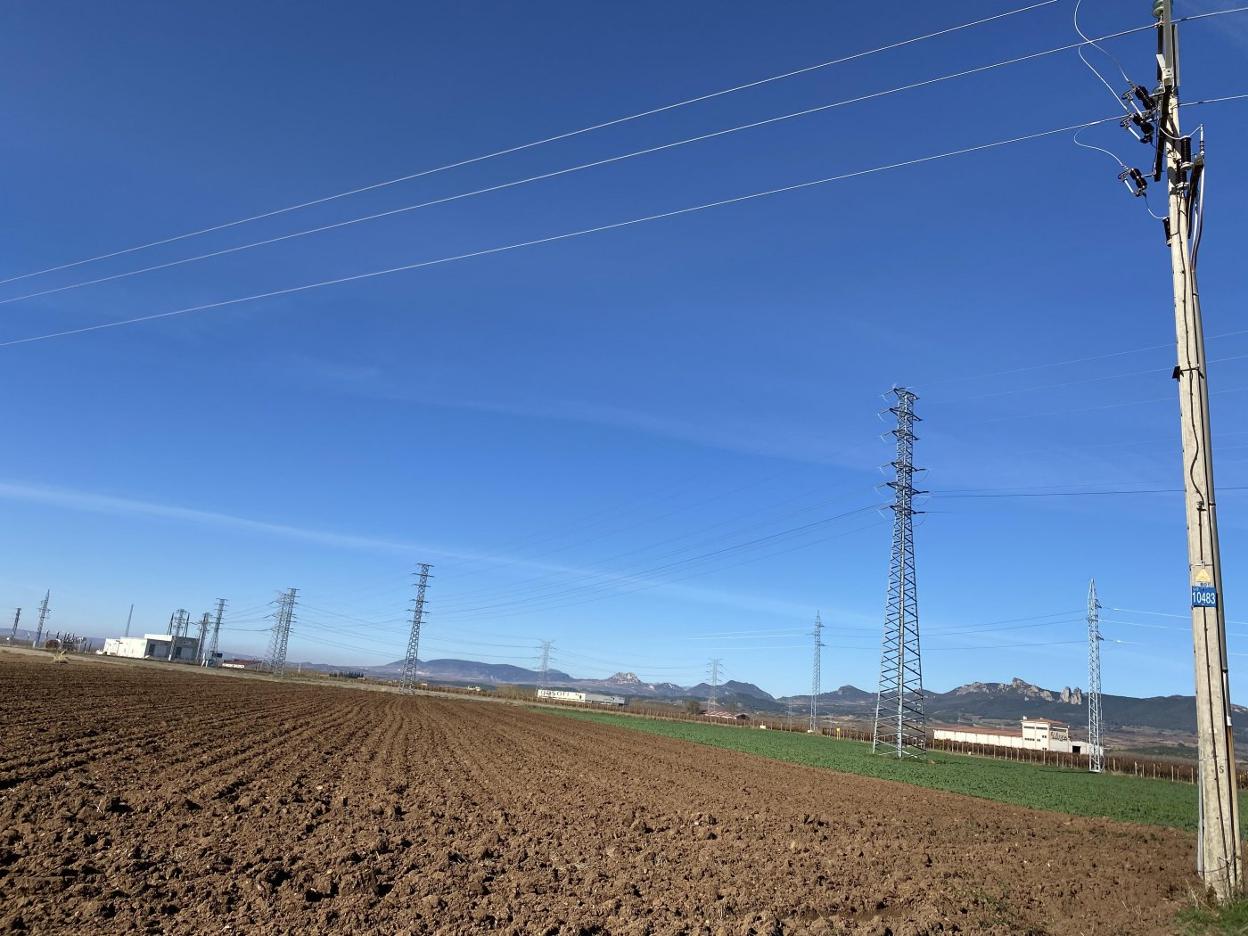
153 647
1037 734
573 695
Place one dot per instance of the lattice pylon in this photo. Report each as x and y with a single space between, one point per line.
1096 752
900 722
407 682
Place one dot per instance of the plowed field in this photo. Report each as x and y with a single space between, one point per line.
136 798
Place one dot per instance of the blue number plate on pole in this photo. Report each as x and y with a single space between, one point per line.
1204 596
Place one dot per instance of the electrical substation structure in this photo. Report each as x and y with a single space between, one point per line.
407 682
816 674
1096 752
283 618
43 617
900 723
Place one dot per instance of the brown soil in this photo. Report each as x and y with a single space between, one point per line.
139 799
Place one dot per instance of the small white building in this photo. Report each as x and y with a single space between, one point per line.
1036 734
573 695
153 647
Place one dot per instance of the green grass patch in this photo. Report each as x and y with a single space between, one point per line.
1204 920
1077 792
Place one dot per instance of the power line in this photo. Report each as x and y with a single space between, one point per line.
540 142
568 235
609 160
611 578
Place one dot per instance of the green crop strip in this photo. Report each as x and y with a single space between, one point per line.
1130 799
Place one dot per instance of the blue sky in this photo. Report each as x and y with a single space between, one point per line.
652 445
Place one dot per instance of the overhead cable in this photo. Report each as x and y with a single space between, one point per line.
609 160
543 141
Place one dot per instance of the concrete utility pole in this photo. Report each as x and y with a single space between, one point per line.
16 617
129 618
43 617
1218 856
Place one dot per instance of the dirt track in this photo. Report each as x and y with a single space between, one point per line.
136 799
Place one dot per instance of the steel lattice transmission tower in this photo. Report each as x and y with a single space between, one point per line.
816 674
1096 753
43 617
544 662
407 682
713 671
900 724
202 643
16 618
179 624
215 644
275 662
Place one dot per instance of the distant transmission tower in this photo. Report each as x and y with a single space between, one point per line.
713 671
215 644
43 617
408 681
129 618
544 662
179 624
275 662
16 617
202 644
816 676
1096 753
900 725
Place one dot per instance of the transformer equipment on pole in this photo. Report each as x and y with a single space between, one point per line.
900 723
407 682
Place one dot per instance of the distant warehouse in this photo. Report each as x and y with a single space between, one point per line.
1037 734
152 647
571 695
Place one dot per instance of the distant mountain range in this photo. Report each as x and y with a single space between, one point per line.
1168 721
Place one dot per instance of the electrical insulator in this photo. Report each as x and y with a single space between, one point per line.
1134 181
